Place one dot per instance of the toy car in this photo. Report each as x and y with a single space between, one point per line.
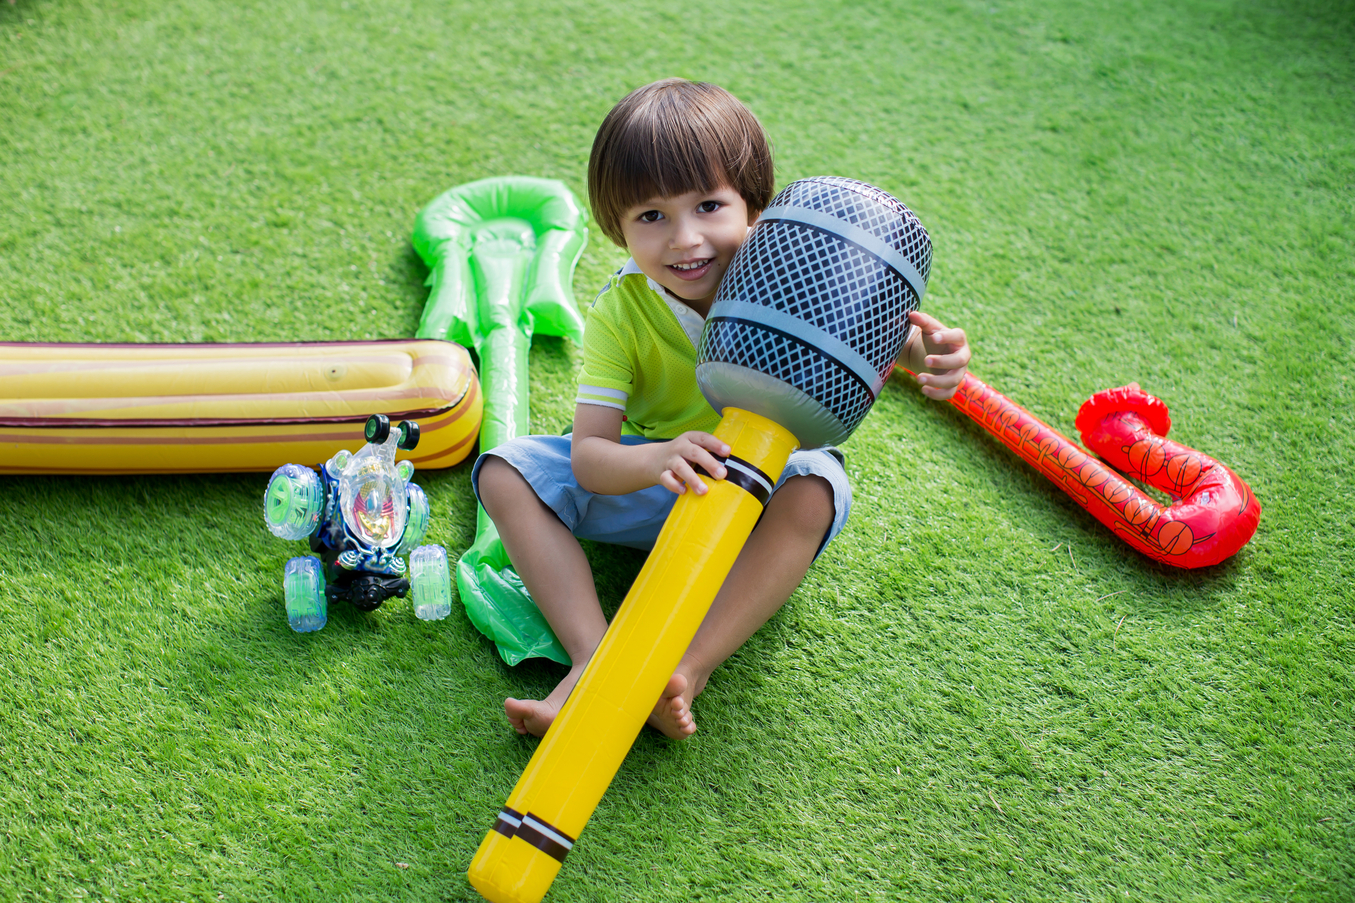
361 513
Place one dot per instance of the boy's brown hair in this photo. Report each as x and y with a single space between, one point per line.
672 137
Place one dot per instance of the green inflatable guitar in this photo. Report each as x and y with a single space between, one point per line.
502 253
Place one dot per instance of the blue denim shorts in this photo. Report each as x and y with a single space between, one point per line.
635 519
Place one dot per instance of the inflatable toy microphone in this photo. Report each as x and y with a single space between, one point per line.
802 335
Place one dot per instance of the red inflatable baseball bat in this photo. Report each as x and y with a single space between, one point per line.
1214 512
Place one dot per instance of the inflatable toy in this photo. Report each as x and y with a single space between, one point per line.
360 514
1214 513
114 409
502 253
802 334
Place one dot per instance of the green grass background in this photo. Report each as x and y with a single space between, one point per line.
977 694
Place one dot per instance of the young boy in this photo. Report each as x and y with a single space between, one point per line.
679 172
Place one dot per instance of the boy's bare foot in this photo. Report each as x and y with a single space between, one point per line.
530 716
672 715
533 716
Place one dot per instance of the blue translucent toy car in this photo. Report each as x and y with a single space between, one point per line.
361 514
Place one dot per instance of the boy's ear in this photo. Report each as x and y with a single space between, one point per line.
753 215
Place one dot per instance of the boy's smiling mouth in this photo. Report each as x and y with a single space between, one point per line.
691 270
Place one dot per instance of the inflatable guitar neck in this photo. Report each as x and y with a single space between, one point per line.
803 333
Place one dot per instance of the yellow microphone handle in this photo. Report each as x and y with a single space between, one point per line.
584 747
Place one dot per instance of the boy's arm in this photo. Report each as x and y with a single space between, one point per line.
605 466
939 356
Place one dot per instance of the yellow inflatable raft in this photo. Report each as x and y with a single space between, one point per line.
111 409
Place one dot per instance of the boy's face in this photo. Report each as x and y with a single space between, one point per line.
685 243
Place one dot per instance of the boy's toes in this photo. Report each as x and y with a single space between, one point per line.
517 713
682 719
675 690
528 716
672 715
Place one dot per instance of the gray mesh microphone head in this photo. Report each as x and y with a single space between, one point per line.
813 310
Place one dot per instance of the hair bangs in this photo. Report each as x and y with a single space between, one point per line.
671 138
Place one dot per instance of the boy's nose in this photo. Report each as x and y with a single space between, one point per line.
684 236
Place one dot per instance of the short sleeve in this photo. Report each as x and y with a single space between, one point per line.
607 377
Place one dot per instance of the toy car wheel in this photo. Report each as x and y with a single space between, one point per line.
293 501
303 586
430 581
417 523
378 429
409 435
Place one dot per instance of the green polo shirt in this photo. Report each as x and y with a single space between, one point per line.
639 356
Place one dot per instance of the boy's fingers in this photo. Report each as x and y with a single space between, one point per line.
668 481
709 464
702 452
952 361
946 356
711 444
947 380
687 475
937 393
938 337
925 322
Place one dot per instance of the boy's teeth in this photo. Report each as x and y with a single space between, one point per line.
690 266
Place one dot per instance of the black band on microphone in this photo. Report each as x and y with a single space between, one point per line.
544 837
744 475
508 822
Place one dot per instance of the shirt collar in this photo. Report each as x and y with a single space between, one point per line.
690 321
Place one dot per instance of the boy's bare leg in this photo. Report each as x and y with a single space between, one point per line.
555 571
770 567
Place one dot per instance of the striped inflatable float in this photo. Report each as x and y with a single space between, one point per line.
114 409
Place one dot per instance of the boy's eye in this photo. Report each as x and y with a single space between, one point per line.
651 216
708 206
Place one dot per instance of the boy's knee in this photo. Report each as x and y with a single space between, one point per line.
498 481
809 503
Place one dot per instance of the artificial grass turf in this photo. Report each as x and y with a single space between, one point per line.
977 693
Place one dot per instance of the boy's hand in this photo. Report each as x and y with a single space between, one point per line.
674 460
939 356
